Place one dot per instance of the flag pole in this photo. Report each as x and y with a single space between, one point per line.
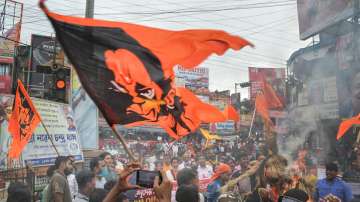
48 134
123 142
252 121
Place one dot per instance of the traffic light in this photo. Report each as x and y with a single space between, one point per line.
245 84
60 84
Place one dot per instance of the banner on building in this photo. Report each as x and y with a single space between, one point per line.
8 42
274 76
197 79
39 152
85 114
43 52
316 15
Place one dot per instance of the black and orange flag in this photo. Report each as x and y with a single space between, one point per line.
127 69
23 121
346 125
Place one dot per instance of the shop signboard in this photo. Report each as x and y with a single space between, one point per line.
57 117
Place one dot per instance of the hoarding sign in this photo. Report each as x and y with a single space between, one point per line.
85 114
220 100
197 79
274 76
43 51
58 119
7 47
316 15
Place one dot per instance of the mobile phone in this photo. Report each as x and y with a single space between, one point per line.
146 178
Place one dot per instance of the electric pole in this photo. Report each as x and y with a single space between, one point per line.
89 12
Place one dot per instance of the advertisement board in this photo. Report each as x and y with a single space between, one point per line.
220 99
57 118
197 79
7 47
85 114
316 15
43 51
274 76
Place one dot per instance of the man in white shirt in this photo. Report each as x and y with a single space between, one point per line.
187 161
204 171
72 180
172 173
175 149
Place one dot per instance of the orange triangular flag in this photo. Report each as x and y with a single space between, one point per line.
271 97
262 107
23 121
346 125
231 114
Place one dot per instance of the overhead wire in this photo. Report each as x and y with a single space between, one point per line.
49 32
192 11
215 23
240 29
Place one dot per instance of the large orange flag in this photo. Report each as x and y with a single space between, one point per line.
346 125
23 121
231 113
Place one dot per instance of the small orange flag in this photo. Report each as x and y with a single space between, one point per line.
265 100
346 125
231 114
262 107
271 97
23 121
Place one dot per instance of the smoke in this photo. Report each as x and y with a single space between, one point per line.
315 101
289 145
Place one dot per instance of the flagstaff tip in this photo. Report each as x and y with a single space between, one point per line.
42 4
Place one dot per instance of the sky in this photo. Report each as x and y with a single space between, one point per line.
271 25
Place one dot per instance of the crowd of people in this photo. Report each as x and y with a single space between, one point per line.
226 171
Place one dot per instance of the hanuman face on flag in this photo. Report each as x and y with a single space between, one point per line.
131 77
149 100
26 116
